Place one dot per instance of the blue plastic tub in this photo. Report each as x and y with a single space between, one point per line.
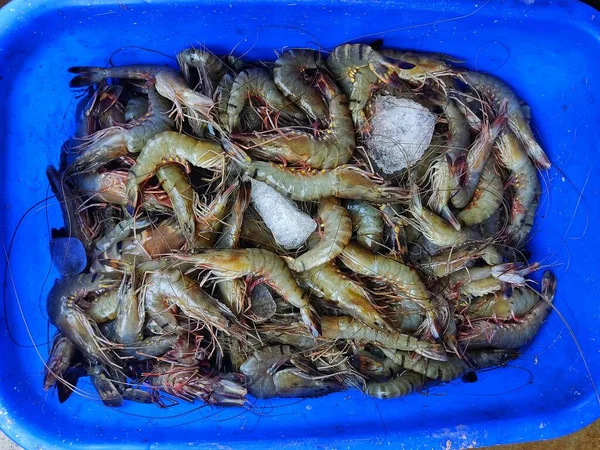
549 51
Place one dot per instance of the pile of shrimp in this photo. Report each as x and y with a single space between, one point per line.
408 281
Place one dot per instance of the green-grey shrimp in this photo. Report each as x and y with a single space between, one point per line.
498 91
329 283
335 233
209 67
170 146
236 263
344 327
427 66
65 313
358 68
454 367
524 182
256 82
483 333
293 73
501 307
367 224
107 187
401 385
167 82
331 147
111 143
487 197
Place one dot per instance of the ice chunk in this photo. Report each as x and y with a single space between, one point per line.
290 226
401 131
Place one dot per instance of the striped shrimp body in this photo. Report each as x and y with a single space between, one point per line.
344 327
483 333
367 224
401 385
331 147
237 263
498 91
336 234
487 197
293 73
328 282
111 143
171 146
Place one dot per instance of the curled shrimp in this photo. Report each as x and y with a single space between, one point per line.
344 327
172 287
487 197
525 185
170 146
236 263
167 82
367 224
499 306
326 281
70 319
309 185
293 73
427 66
336 230
233 292
111 143
483 333
107 187
477 158
256 82
402 277
498 91
330 148
358 68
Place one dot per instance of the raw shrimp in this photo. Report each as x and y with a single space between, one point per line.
367 224
486 199
104 307
344 327
403 384
209 67
427 66
62 353
328 282
170 146
65 314
111 143
402 277
498 306
171 286
330 148
294 73
233 292
256 82
136 108
236 263
443 184
454 367
498 91
222 94
189 383
153 242
335 235
167 82
309 185
477 158
119 233
104 99
358 68
524 182
484 333
176 183
130 312
107 187
452 260
210 219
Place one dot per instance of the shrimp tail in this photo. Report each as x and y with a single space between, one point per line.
387 71
311 318
87 75
236 153
107 391
432 351
548 286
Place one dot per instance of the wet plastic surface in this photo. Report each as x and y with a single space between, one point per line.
549 51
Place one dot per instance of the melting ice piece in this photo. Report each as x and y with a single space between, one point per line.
290 226
401 131
68 255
